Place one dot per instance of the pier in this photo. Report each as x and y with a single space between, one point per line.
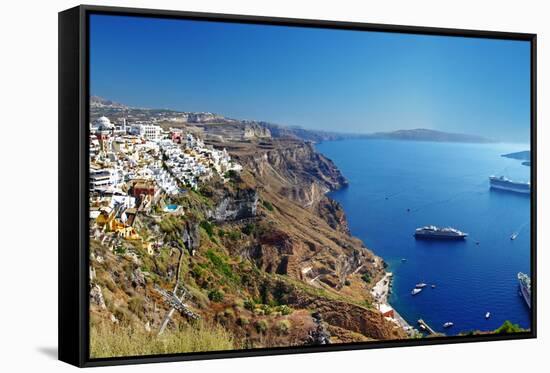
426 327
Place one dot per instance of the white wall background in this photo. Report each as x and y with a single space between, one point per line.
28 186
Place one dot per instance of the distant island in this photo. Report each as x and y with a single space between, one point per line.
423 134
524 156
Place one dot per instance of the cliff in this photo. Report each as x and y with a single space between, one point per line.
266 255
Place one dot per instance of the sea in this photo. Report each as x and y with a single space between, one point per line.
397 186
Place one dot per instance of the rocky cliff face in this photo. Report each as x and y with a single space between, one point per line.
255 131
305 234
190 236
238 205
295 170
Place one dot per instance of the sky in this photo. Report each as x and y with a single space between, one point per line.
333 80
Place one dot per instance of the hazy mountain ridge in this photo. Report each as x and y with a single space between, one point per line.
261 129
423 134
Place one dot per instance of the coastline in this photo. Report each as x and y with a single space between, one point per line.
380 292
382 288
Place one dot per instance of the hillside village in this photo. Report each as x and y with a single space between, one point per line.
131 166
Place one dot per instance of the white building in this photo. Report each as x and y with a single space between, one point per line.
103 179
150 132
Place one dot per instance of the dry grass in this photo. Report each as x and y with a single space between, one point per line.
111 340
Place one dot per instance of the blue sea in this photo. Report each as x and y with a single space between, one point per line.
444 184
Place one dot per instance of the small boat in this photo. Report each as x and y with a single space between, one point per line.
422 326
415 291
448 324
513 236
403 260
487 315
433 286
420 285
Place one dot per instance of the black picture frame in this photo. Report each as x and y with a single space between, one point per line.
73 181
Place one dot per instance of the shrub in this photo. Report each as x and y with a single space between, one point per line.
208 227
259 312
215 295
267 309
229 313
507 327
234 235
249 304
283 326
366 277
243 321
249 229
170 224
232 175
268 205
285 310
197 272
220 265
261 326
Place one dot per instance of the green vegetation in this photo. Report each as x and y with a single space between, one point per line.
285 310
249 229
261 326
170 224
234 235
215 295
268 205
507 327
243 321
111 340
208 228
221 266
283 326
366 277
249 304
232 175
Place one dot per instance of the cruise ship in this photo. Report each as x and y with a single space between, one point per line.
503 183
525 287
433 232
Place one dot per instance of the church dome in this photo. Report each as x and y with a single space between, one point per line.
103 123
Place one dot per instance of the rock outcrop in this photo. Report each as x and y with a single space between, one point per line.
295 170
190 236
319 335
239 205
96 296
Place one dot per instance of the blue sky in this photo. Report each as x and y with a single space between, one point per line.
335 80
